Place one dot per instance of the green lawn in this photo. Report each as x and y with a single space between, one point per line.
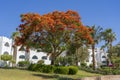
16 74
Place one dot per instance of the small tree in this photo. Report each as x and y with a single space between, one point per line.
64 61
6 57
79 53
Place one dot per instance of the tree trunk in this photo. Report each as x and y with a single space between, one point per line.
76 55
93 55
52 62
52 58
14 54
110 50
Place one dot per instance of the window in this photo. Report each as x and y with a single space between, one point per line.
6 53
34 57
22 57
44 57
104 61
7 44
103 57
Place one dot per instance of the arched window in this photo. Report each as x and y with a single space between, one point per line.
34 57
6 53
22 57
7 44
103 57
44 57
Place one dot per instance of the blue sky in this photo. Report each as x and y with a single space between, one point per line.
104 13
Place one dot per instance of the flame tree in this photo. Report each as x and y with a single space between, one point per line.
52 32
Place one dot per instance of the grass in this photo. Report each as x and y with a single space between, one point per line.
16 74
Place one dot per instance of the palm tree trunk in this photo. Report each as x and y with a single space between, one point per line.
110 50
93 56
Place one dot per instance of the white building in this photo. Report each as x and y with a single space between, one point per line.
5 46
100 57
34 55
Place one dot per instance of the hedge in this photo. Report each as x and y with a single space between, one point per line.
53 69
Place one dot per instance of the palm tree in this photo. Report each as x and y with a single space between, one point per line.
109 36
14 35
96 35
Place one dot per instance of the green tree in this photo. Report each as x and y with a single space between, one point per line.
6 57
115 58
116 50
109 36
79 52
82 54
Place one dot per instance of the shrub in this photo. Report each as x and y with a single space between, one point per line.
36 67
23 63
88 69
116 72
73 70
83 64
91 65
40 62
106 70
32 67
39 67
48 69
61 70
6 57
56 69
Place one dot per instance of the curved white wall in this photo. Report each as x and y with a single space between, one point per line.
3 48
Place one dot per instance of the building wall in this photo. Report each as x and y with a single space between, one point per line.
100 57
34 56
40 56
5 48
5 45
20 56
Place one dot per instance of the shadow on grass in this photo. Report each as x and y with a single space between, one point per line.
55 77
